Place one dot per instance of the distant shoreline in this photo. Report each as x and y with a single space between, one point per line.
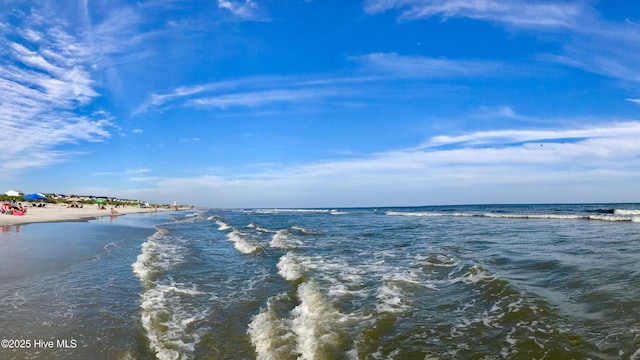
61 213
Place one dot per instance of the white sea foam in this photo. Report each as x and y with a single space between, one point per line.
223 226
241 243
260 228
475 275
633 212
270 331
157 255
316 323
437 260
390 299
278 211
167 317
304 231
289 267
618 216
283 239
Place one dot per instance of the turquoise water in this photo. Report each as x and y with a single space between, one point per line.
454 282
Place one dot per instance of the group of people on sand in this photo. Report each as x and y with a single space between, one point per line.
12 208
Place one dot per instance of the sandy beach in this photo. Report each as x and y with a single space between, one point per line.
55 213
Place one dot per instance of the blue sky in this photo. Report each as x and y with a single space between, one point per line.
260 103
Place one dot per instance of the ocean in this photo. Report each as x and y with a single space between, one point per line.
435 282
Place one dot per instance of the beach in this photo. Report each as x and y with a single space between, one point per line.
60 212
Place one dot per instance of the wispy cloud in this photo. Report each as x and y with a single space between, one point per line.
426 67
502 137
244 10
376 68
588 41
259 98
45 84
509 161
525 14
246 92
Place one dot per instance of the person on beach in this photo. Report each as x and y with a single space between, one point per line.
13 209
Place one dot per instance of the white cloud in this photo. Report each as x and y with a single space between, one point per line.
509 166
44 83
426 67
246 92
587 41
137 171
526 14
615 130
259 98
245 10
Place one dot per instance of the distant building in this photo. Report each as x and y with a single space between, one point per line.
14 193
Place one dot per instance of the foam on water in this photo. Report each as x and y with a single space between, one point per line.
223 226
242 244
316 324
259 228
619 215
270 331
168 309
305 231
284 240
157 255
168 317
390 299
289 267
633 212
475 275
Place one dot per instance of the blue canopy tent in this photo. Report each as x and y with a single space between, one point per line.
34 197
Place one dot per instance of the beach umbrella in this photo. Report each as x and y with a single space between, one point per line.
33 197
100 200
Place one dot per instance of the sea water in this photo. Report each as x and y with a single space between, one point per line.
445 282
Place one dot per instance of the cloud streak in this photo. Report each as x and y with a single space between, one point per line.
522 14
374 69
579 28
46 87
247 10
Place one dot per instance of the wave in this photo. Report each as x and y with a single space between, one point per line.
270 330
260 228
617 216
317 324
283 239
158 255
290 267
242 244
223 226
168 311
305 231
626 212
168 318
391 299
313 329
279 211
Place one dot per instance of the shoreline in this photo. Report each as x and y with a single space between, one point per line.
57 213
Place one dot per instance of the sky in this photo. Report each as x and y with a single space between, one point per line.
322 103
